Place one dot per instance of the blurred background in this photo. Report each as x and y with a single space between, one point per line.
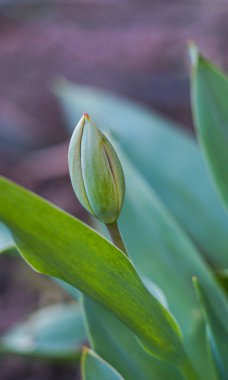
133 48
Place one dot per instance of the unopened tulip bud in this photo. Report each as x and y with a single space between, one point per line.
96 173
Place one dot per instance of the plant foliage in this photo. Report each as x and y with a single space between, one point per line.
144 318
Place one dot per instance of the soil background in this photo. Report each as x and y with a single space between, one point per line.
134 48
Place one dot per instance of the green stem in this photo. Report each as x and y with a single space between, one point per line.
116 237
187 370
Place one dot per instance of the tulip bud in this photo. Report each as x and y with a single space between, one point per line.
96 173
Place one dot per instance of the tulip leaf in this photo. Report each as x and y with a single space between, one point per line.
118 346
209 103
53 333
163 253
167 156
57 244
94 367
217 330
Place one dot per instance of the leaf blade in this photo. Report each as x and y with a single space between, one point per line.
217 330
97 267
94 367
209 88
52 333
114 342
163 252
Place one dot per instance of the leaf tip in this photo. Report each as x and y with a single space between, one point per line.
86 116
197 288
85 350
195 282
193 53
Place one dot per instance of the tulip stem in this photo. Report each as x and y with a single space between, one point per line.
116 237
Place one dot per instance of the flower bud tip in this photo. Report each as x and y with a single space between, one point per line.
96 173
86 116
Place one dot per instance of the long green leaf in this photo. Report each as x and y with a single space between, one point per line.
114 342
59 245
217 330
53 333
168 158
95 368
110 339
162 252
209 103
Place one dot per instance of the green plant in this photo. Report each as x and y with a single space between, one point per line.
143 318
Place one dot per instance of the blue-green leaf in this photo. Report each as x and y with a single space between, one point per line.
163 253
209 103
95 368
53 333
217 330
119 347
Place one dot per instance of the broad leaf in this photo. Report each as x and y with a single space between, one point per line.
114 342
209 102
55 332
162 252
59 245
94 367
168 158
217 330
118 346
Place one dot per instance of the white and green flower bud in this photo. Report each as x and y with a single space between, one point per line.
96 173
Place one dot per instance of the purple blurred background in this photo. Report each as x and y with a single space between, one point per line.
134 48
